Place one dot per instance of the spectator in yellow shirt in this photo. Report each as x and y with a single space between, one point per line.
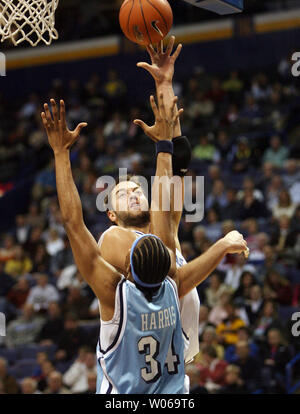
227 330
19 264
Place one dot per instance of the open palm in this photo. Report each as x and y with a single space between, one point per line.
59 136
162 63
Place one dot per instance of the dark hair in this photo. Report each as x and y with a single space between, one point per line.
151 262
210 351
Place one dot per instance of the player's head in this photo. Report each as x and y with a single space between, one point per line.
127 203
149 262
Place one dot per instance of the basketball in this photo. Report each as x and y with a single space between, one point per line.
145 21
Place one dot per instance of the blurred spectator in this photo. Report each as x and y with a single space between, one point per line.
277 288
233 84
243 334
8 248
230 210
29 386
10 385
219 312
233 382
92 383
241 156
46 369
235 271
192 370
276 154
77 303
19 264
54 244
242 293
209 337
212 370
213 228
22 229
55 384
284 206
76 376
205 150
254 304
267 319
42 294
215 290
62 258
291 174
19 292
23 330
53 325
249 365
7 282
275 355
70 339
41 259
227 330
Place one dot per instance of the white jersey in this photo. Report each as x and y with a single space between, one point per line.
189 309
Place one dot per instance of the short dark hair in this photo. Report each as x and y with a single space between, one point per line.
210 351
151 262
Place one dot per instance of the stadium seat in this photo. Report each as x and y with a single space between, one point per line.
31 351
11 355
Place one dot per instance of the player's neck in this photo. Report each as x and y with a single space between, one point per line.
143 229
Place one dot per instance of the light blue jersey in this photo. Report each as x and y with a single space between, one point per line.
141 350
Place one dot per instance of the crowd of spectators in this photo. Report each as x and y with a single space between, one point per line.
244 131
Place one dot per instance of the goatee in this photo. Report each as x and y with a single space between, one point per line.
140 220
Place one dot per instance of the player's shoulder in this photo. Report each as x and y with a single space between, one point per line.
116 233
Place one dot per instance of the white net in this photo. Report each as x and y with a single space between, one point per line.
28 20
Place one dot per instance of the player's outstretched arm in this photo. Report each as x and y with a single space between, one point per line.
196 271
162 132
101 276
162 71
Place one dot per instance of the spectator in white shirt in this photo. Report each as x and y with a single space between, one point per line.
42 294
76 377
233 275
54 243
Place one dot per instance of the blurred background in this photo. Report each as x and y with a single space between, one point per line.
233 78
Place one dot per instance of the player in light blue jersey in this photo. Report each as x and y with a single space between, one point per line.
146 352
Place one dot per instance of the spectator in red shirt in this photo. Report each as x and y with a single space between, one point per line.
212 370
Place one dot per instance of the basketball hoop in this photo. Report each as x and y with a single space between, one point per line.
28 20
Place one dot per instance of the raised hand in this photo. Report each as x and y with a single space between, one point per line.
59 136
162 63
165 120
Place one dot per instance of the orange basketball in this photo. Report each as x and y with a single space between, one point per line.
146 21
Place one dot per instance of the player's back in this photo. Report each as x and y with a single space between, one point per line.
140 351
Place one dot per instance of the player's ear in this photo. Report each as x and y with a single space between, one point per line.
112 216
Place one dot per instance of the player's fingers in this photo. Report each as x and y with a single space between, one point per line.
45 122
54 112
150 52
145 66
161 46
179 113
177 52
154 107
62 112
170 45
141 124
48 114
80 126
